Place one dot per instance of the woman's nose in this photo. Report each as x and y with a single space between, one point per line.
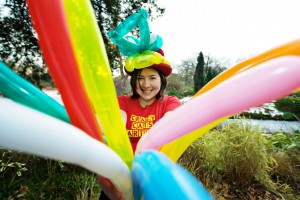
146 83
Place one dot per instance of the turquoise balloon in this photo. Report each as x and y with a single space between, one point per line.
20 90
156 177
130 45
157 44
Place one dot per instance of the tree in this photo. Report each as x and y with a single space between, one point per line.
18 44
18 41
199 73
207 68
186 70
213 67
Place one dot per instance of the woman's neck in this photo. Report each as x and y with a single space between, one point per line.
146 102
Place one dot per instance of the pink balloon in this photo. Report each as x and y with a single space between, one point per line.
270 80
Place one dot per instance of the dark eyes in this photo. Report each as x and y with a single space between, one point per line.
151 77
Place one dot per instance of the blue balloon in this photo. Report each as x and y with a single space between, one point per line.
156 177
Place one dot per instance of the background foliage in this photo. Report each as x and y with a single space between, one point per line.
19 45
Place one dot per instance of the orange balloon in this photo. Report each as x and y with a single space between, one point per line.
290 48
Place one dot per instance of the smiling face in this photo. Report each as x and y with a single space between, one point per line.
148 85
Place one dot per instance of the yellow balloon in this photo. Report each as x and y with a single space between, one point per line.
297 90
177 147
95 72
144 59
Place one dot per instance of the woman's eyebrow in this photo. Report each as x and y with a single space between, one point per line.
151 75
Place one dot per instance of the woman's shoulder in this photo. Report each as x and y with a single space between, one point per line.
126 99
171 102
125 102
171 98
125 96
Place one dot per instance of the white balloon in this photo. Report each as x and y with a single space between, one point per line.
33 132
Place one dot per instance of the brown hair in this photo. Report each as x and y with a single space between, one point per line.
134 81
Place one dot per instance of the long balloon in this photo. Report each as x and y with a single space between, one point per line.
95 72
50 24
288 49
45 136
135 20
176 148
271 80
20 90
155 177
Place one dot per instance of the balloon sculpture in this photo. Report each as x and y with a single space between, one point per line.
74 52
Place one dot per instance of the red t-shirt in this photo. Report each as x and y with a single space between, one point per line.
139 119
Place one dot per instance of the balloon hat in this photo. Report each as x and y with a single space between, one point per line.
143 52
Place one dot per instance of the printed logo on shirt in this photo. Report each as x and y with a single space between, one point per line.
140 125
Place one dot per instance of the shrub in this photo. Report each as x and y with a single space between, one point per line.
181 92
174 93
236 154
43 179
285 150
289 105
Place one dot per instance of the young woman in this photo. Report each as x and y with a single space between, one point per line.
143 108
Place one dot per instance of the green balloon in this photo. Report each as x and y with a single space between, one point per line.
20 90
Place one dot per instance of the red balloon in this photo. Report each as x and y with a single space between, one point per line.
50 24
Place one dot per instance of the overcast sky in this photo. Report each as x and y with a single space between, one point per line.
231 29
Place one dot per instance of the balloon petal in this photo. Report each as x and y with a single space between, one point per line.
96 74
290 48
20 90
151 167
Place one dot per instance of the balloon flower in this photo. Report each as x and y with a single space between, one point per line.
74 52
